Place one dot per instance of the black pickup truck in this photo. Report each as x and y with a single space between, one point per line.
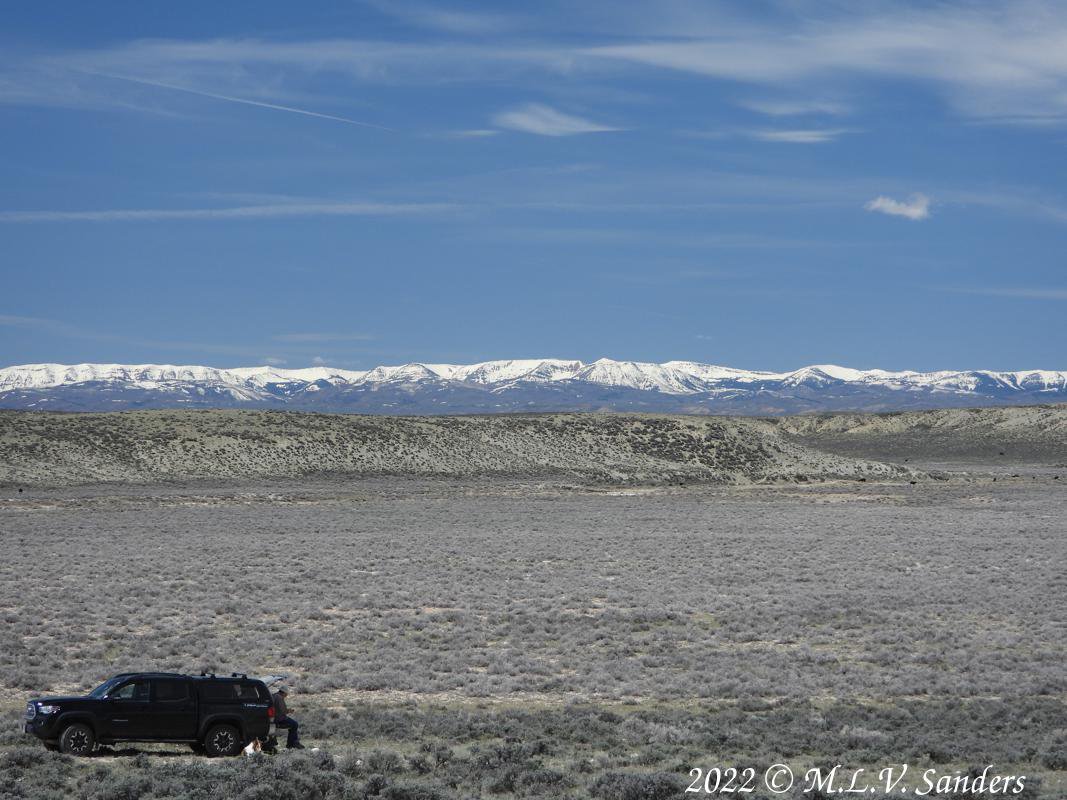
215 715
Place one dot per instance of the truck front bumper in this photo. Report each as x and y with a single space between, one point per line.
43 726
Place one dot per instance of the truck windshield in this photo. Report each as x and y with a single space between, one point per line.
101 690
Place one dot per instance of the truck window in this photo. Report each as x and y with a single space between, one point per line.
170 691
215 691
234 691
134 690
101 690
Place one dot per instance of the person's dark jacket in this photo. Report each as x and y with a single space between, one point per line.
281 711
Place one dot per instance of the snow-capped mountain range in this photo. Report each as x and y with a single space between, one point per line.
522 385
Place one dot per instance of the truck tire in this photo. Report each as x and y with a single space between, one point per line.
77 740
222 740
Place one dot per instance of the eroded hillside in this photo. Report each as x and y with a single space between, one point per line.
151 446
1028 434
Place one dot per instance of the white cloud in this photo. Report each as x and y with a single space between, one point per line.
916 207
808 136
543 120
1003 61
318 361
794 108
271 361
236 212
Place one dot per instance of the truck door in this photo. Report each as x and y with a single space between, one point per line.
172 709
126 713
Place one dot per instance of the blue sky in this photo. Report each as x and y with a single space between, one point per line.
754 184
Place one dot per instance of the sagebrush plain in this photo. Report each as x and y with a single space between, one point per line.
561 633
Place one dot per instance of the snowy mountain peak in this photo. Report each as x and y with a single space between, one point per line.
546 383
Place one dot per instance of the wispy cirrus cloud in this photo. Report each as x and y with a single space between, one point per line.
67 330
1013 201
253 68
295 347
996 62
323 337
795 108
150 75
473 133
776 135
1002 62
543 120
434 17
269 211
916 207
1025 293
54 327
800 136
15 321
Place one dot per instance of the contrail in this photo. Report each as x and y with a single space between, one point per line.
241 100
237 212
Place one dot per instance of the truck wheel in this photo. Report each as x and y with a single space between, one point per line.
77 740
222 740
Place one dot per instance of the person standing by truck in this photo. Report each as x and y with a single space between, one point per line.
283 720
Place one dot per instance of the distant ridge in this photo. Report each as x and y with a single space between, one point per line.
519 385
144 447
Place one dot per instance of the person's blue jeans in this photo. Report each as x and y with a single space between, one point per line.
294 737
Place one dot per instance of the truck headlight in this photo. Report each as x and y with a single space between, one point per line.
47 709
